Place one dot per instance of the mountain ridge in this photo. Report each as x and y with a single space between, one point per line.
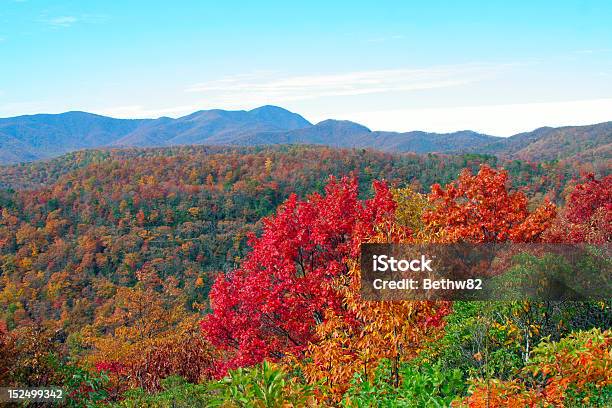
40 136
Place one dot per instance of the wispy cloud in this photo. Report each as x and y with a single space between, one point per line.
66 21
62 21
273 86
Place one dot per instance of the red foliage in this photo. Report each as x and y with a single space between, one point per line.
588 197
587 216
271 305
188 357
113 367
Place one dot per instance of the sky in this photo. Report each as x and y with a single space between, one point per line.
497 67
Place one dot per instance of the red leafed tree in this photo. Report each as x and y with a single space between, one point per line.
272 303
480 208
587 216
588 198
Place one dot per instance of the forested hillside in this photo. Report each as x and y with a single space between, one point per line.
581 143
104 216
108 258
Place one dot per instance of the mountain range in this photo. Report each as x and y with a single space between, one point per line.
41 136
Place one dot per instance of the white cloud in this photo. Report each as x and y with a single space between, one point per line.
272 87
62 22
499 120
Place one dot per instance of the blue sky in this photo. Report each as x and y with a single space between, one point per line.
493 66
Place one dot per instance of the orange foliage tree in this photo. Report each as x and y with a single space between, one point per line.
480 208
141 336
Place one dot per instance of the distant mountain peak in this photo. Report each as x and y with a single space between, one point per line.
344 124
269 108
286 119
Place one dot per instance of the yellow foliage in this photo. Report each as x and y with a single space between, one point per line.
268 165
410 207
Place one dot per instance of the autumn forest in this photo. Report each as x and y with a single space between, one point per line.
229 277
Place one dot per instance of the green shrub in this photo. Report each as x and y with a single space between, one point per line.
424 386
261 386
177 393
